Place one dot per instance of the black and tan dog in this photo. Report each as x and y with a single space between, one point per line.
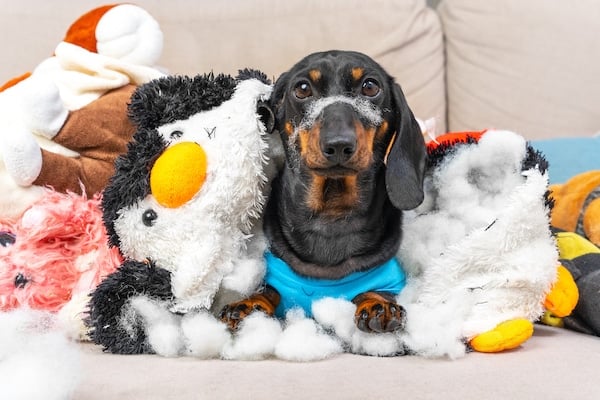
354 159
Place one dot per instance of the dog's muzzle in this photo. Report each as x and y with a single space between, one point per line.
338 140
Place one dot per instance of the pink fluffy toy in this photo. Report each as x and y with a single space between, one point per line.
54 256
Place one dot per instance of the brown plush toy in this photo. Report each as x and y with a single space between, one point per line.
65 123
577 205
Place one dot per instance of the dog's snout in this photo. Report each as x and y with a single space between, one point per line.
338 148
338 136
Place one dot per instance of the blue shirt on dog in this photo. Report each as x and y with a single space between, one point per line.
300 291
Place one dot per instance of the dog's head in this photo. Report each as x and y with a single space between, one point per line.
340 114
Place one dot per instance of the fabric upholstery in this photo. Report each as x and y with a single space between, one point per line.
528 66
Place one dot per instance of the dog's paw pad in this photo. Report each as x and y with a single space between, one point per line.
377 314
232 314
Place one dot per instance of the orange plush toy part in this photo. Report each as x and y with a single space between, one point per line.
577 205
64 124
83 31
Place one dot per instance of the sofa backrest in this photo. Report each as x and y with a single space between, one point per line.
224 36
530 66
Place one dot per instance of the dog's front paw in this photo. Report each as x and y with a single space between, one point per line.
378 312
265 301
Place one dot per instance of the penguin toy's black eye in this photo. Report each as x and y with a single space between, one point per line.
176 134
148 217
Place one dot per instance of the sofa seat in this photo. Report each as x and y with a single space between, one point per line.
555 363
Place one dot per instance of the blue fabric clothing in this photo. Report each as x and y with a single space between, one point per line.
300 291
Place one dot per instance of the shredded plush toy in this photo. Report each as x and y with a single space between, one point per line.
53 256
64 124
182 207
479 248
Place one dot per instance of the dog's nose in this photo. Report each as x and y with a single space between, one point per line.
339 148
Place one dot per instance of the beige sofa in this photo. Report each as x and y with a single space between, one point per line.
529 66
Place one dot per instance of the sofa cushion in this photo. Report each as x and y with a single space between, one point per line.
404 36
553 364
528 66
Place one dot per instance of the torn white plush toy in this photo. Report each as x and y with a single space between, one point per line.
479 251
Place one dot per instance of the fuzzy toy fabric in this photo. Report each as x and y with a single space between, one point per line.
37 361
480 246
182 207
64 124
54 255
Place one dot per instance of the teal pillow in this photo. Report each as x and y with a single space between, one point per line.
569 156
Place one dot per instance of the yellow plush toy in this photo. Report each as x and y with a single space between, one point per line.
582 260
577 205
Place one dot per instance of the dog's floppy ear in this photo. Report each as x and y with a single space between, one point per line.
406 158
277 98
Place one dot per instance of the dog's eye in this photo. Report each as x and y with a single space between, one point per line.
370 88
302 90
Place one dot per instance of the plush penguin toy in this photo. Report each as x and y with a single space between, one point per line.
183 208
482 260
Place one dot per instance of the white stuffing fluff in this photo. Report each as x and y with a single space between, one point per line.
363 107
163 328
201 335
255 339
204 335
304 340
37 360
433 331
198 334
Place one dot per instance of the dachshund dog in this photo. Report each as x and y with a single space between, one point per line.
355 158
